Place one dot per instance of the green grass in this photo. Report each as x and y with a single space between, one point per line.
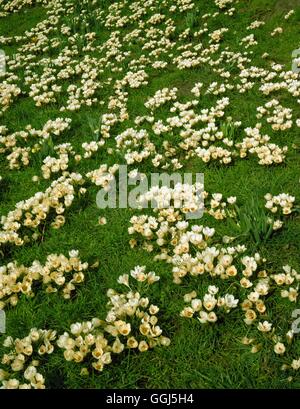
199 356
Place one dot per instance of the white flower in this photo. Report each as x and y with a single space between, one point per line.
209 232
124 279
139 273
279 348
231 199
230 301
76 328
212 289
264 326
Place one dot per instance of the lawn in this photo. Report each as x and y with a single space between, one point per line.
203 86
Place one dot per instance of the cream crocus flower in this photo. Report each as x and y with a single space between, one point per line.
260 306
143 346
255 348
279 348
231 271
250 316
106 358
295 364
212 317
153 309
124 279
209 302
125 329
264 326
246 283
98 366
187 312
117 346
196 304
132 343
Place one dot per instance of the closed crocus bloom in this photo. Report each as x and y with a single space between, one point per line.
69 343
84 372
13 300
203 317
293 294
34 335
143 346
96 322
68 354
295 364
78 356
132 342
98 366
17 365
3 375
230 301
255 348
165 341
30 372
153 320
89 339
39 378
97 353
62 339
289 336
12 384
117 347
196 304
106 358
